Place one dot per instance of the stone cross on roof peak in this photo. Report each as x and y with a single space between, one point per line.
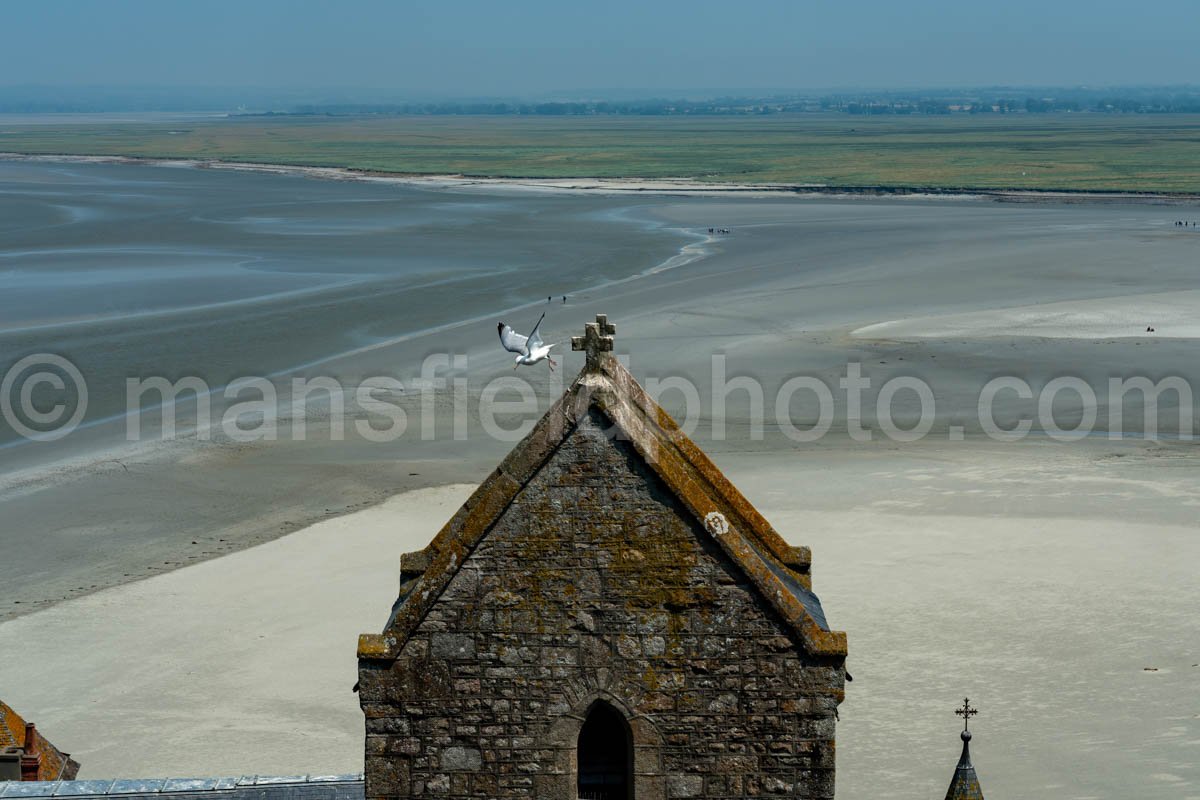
597 338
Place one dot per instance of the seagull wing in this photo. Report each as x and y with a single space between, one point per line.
513 342
535 338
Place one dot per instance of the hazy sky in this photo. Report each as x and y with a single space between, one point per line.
513 47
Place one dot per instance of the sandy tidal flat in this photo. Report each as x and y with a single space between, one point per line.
1172 315
1073 631
240 665
1040 578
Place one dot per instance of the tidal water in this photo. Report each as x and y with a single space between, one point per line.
132 271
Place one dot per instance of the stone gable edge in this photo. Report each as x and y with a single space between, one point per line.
687 472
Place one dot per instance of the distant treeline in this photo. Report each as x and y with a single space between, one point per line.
1182 102
266 102
1174 104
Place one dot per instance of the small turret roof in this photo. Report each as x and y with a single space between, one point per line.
965 783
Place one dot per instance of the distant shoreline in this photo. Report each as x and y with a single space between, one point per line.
683 187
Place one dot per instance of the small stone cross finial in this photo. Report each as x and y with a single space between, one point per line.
597 338
966 712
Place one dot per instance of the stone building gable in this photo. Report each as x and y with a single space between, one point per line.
605 578
595 583
779 571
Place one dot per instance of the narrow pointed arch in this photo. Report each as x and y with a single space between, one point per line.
563 738
604 755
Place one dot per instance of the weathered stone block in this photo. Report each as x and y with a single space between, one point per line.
452 645
685 785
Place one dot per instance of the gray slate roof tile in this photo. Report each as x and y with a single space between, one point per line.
81 788
143 786
27 789
247 787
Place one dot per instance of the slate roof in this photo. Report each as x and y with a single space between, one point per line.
12 727
247 787
777 570
965 783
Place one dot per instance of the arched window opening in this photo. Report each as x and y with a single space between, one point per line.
605 759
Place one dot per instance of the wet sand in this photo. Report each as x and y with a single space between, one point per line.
1036 577
788 293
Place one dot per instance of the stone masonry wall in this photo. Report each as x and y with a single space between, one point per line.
596 584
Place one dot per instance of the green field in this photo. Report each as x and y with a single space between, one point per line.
1096 152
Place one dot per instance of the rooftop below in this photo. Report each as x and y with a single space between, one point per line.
247 787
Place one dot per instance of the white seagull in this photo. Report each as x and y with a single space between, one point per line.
529 349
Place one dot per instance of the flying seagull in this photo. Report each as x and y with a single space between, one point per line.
529 349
